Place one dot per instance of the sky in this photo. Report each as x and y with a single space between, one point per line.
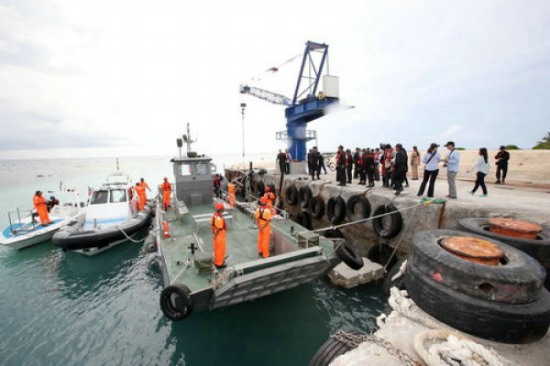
111 78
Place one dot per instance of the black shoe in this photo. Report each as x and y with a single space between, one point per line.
222 266
497 182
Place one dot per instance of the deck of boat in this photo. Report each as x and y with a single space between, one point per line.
194 228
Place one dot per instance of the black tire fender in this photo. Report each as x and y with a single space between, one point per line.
291 195
348 255
333 233
518 280
365 207
336 210
304 196
176 302
381 254
328 351
388 226
316 207
501 322
304 219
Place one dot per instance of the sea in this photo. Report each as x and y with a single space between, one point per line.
61 308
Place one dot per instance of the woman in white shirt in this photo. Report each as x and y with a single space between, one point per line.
481 167
431 169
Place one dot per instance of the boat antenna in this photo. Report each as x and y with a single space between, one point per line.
117 167
187 139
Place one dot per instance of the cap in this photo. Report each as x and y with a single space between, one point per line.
388 146
399 146
263 201
433 144
267 189
502 147
450 143
37 192
218 206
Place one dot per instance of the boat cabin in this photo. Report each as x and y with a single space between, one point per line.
194 182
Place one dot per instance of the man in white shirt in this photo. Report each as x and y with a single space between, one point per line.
452 162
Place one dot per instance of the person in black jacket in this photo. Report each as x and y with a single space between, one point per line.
502 158
313 162
356 166
341 166
399 168
349 165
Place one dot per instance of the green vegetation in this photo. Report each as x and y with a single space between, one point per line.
543 144
460 148
512 147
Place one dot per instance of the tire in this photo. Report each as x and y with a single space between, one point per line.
538 249
291 195
501 322
333 233
364 206
328 351
304 196
387 227
336 210
260 188
304 219
381 254
348 255
316 207
399 283
518 280
176 302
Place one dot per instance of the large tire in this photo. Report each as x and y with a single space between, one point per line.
176 302
336 210
316 207
348 255
501 322
304 196
518 280
387 227
381 254
291 195
538 248
304 219
333 233
331 349
364 206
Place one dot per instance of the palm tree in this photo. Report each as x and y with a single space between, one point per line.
544 143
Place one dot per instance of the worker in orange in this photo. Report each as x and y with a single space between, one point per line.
263 219
270 197
231 194
166 189
140 190
41 208
219 229
145 185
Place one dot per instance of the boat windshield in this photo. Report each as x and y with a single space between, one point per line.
118 195
203 169
99 197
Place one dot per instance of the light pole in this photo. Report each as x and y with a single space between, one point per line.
243 108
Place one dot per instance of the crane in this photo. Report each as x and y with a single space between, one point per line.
307 103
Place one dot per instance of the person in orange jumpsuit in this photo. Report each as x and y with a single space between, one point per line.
166 189
41 208
146 186
270 197
231 194
219 229
140 190
263 219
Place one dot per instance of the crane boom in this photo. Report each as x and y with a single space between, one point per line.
266 95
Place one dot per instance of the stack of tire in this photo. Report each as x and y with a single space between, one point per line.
505 303
538 248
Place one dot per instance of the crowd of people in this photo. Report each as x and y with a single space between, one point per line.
392 165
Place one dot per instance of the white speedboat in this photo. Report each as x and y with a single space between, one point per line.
112 217
25 230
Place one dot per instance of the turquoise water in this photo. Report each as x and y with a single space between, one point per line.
67 309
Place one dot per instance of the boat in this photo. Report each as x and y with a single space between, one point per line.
24 229
111 217
184 247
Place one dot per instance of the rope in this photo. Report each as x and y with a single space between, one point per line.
400 239
401 271
129 238
456 350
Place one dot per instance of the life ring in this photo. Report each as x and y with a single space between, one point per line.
304 196
304 219
348 255
176 302
291 195
388 226
365 207
497 321
518 278
316 207
336 210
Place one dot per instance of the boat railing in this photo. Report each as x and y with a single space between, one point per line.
17 217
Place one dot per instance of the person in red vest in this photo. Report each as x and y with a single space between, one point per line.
219 229
166 189
263 219
140 190
41 208
270 198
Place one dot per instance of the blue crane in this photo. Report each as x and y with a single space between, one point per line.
307 103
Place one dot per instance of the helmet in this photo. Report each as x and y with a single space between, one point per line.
267 189
263 201
218 206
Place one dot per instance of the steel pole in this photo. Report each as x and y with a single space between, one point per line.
243 107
